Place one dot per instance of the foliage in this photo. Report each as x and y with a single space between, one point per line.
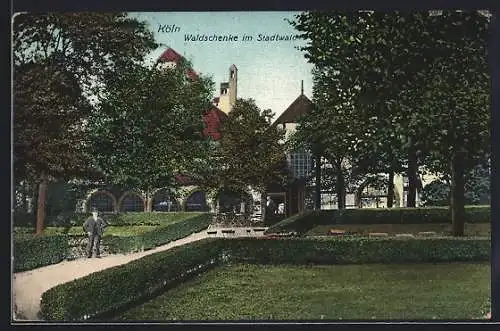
436 193
106 292
126 283
149 125
53 246
477 189
331 293
159 236
307 220
120 219
249 134
35 252
60 62
402 77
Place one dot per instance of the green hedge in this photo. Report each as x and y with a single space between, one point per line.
358 250
305 221
106 292
160 236
130 218
35 252
112 289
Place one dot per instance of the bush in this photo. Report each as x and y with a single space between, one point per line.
113 289
66 219
107 292
358 250
160 236
24 219
35 252
273 219
303 222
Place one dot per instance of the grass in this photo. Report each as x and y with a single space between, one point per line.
352 292
122 231
132 227
471 229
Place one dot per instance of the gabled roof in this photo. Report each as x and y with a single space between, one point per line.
169 55
300 106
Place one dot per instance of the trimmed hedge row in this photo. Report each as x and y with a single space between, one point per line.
35 252
303 222
359 250
160 236
114 288
128 218
106 292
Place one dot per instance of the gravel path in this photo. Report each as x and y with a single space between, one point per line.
28 286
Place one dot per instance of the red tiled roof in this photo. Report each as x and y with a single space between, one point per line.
212 120
192 74
170 55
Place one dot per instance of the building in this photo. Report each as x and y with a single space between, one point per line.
295 197
189 196
298 195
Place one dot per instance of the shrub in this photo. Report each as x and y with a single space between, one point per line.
112 289
35 252
119 219
24 219
49 249
160 236
358 250
104 293
303 222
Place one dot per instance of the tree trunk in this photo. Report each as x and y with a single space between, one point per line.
390 190
263 207
412 178
457 196
317 197
42 196
340 188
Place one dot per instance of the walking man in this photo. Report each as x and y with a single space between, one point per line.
94 226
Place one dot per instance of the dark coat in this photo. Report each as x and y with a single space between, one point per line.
95 227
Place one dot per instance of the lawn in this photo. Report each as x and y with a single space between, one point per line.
471 229
382 292
129 224
121 231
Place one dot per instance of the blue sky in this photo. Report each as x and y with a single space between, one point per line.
268 71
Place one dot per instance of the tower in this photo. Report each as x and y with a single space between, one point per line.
233 85
228 91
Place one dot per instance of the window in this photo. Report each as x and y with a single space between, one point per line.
101 201
300 164
196 202
132 202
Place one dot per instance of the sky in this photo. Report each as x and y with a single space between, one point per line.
270 72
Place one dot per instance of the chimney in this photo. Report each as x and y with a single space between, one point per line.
301 87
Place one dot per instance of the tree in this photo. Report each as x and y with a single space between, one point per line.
251 151
149 126
59 64
411 67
